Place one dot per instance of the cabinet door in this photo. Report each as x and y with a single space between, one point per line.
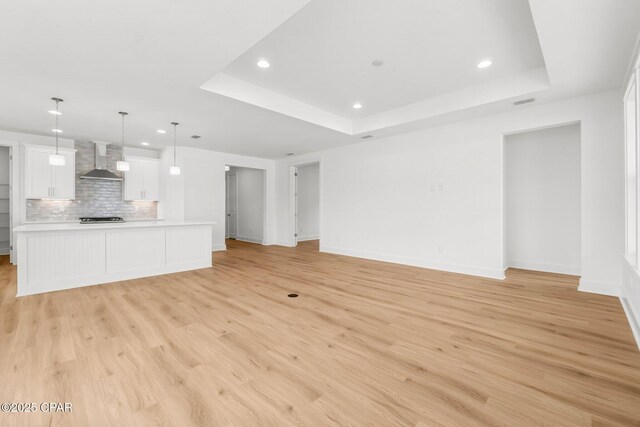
150 180
37 174
134 180
64 178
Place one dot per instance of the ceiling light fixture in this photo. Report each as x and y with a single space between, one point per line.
263 63
161 131
122 165
357 106
144 143
484 64
57 113
174 170
57 159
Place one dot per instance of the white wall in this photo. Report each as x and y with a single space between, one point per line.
250 204
308 202
542 200
433 198
199 192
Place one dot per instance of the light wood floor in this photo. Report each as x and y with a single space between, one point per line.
366 343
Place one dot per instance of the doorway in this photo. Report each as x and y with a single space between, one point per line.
306 203
542 183
5 201
245 201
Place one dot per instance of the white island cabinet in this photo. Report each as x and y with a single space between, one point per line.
53 257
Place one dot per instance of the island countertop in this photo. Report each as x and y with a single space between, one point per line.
105 225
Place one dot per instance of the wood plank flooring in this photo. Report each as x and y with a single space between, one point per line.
365 343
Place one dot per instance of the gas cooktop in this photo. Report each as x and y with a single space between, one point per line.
92 220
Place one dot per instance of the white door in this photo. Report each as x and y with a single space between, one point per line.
64 180
232 206
150 180
38 174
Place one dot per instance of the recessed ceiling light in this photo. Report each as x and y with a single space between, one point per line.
56 130
484 64
195 137
161 131
290 154
57 113
263 63
144 143
357 106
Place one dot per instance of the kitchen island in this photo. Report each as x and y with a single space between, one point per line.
53 257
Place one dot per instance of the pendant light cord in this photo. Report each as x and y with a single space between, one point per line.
57 128
174 141
123 113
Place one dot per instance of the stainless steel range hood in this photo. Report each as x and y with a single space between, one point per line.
100 171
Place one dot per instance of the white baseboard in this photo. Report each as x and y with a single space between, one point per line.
632 318
305 238
599 288
497 273
249 239
221 247
573 270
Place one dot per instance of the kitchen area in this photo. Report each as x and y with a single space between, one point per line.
89 215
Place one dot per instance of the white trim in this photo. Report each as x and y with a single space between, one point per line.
305 238
630 296
573 270
634 321
221 247
599 288
491 273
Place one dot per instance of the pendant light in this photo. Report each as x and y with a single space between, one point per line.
57 159
174 170
122 165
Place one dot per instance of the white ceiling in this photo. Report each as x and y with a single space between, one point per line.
151 58
323 55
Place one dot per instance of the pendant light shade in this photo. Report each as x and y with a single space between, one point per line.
57 159
122 165
174 170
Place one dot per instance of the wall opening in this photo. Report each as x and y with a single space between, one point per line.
542 183
244 204
306 203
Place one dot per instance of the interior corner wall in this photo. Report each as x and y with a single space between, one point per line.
308 202
434 198
542 200
198 194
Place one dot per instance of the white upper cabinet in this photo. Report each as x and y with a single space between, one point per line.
44 181
141 181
